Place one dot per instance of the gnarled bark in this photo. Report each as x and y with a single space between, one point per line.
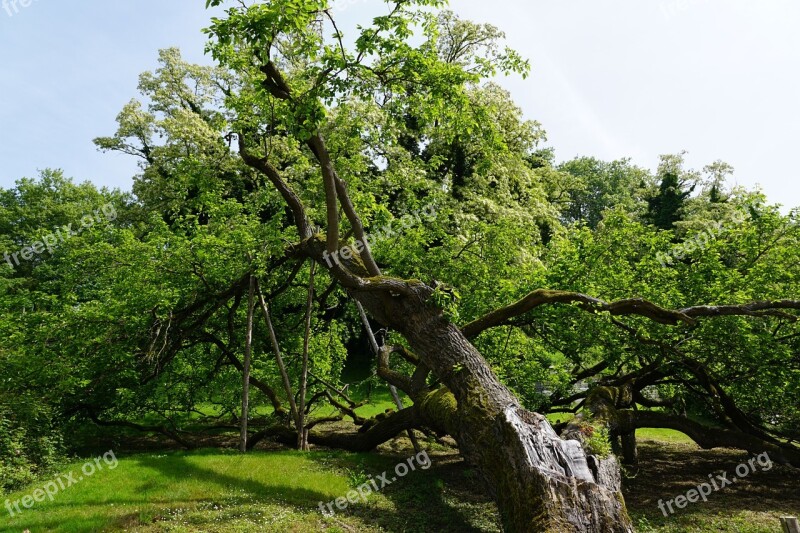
610 406
540 482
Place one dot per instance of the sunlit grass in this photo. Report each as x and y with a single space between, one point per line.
220 491
654 434
217 490
145 488
663 435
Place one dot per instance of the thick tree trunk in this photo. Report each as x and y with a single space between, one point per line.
539 481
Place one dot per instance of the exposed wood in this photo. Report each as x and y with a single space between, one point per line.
790 524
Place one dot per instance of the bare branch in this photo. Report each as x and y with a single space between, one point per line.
766 308
289 196
632 306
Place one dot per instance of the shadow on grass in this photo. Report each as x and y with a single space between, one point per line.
448 497
174 466
668 470
178 467
445 498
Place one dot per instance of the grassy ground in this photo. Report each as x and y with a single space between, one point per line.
752 504
278 490
212 490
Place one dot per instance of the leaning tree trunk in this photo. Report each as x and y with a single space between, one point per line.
539 481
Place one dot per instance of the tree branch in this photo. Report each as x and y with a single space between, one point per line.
632 306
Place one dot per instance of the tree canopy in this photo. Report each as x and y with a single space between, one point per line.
390 168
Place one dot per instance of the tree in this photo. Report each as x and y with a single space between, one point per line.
690 372
516 451
295 151
601 186
666 207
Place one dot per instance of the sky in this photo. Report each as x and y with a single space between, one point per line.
614 79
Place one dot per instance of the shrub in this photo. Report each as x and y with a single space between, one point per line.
29 445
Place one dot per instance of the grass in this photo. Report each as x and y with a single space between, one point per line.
669 436
218 490
213 490
647 434
179 487
754 504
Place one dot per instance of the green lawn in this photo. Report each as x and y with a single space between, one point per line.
186 489
663 435
212 490
649 434
278 491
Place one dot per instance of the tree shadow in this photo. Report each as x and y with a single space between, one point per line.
448 497
669 470
178 467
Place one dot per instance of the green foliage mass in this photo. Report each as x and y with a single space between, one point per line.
140 318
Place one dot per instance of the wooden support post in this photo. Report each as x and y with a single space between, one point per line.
392 389
790 524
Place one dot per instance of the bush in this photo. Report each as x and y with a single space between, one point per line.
29 445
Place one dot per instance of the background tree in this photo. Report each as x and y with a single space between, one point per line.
666 206
293 151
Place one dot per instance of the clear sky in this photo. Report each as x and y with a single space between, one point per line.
611 79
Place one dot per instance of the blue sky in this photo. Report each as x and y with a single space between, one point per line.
613 79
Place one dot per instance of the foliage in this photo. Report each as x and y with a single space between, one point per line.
30 443
597 441
665 208
141 320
